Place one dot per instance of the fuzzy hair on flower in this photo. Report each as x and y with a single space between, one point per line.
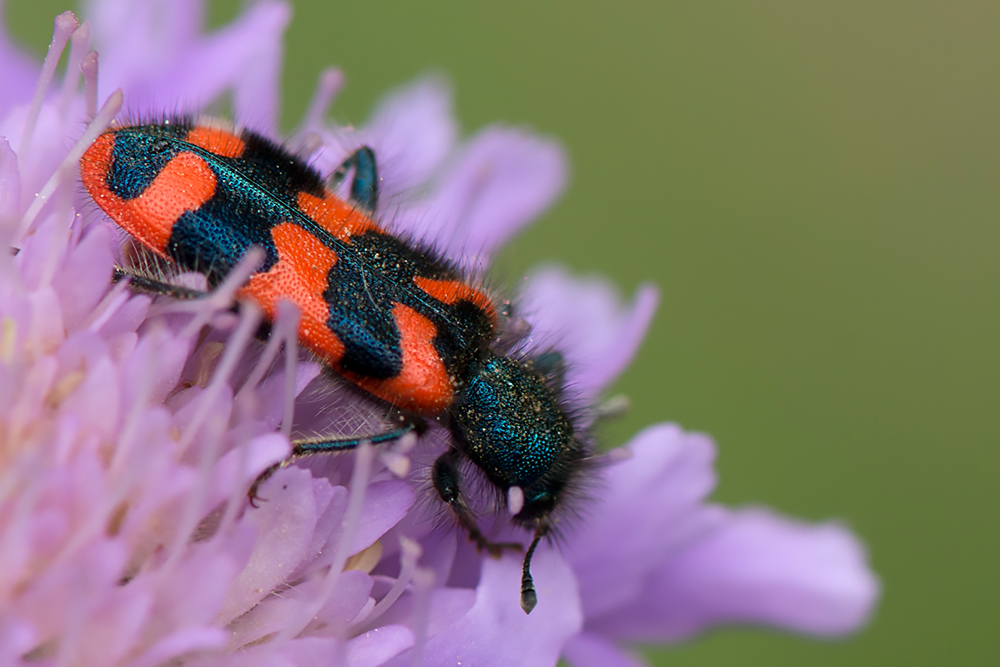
132 428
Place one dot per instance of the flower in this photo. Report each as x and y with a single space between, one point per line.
129 436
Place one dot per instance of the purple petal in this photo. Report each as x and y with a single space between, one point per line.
242 465
246 56
128 317
588 650
272 614
376 646
651 505
447 606
269 398
36 253
584 319
484 635
97 567
113 625
177 645
84 276
439 552
157 359
304 651
47 326
17 637
137 40
285 524
49 145
350 595
385 504
331 514
504 179
83 349
208 569
99 397
758 568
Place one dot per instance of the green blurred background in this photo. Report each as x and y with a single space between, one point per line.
813 186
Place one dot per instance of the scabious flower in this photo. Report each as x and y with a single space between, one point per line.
129 435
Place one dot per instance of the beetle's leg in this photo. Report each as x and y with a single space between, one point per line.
551 364
308 446
448 484
364 184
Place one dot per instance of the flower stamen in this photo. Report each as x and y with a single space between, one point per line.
140 399
288 329
408 556
100 123
331 80
78 49
64 26
220 298
89 69
116 297
423 582
250 317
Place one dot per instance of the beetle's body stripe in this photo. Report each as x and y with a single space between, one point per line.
335 216
452 291
300 277
216 141
422 380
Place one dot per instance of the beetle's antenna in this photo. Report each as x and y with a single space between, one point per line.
529 598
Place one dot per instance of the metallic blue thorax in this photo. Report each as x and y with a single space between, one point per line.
512 426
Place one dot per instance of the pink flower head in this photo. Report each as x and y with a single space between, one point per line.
130 431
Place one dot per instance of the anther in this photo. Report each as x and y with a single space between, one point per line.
515 500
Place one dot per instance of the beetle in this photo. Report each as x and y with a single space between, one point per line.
390 315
